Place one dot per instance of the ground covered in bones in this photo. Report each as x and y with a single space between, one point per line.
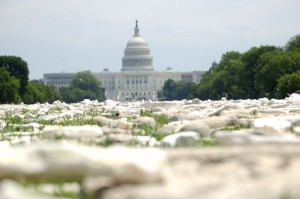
169 149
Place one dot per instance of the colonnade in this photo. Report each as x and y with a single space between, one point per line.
137 62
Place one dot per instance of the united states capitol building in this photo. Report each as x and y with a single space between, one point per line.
137 79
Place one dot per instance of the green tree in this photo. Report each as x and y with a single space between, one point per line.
251 66
67 94
293 44
9 87
37 91
177 90
202 90
272 66
87 81
252 74
168 89
288 83
223 79
84 85
17 67
184 90
227 77
160 95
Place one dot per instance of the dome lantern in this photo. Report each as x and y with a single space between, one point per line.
136 29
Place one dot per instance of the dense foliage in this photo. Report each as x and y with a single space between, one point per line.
259 72
177 90
84 85
15 87
9 87
37 91
289 83
17 68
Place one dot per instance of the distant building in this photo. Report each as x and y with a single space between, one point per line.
58 80
137 79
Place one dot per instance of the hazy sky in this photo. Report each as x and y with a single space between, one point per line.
77 35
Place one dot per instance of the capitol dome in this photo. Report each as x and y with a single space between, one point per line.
137 55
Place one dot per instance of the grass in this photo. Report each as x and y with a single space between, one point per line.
160 119
285 196
57 189
55 109
148 130
207 142
14 124
77 122
24 111
107 142
253 112
237 127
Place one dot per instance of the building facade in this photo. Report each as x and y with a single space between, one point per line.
137 79
58 80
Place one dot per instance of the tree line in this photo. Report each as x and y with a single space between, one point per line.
15 86
265 71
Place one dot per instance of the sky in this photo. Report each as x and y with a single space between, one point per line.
55 36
